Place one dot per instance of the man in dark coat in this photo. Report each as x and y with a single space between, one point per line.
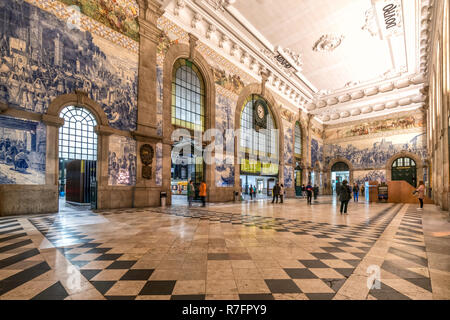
345 194
276 192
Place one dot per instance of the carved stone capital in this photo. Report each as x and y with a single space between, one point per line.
81 97
144 137
265 74
149 31
53 121
150 10
3 107
103 130
192 45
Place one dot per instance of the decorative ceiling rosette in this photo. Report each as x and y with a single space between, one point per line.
328 43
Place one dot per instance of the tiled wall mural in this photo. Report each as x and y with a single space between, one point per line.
159 164
288 143
119 15
42 58
225 114
22 151
159 100
225 174
122 161
316 152
361 176
375 152
288 176
378 126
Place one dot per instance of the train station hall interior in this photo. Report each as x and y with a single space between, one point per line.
224 150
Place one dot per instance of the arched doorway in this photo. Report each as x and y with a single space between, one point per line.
259 147
188 113
339 172
405 168
77 158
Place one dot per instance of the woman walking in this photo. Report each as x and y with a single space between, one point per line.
190 192
355 192
420 194
281 193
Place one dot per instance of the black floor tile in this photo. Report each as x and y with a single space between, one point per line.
256 296
103 286
107 256
22 277
99 250
320 296
19 257
322 256
79 264
282 286
334 284
346 272
313 263
120 297
158 287
332 249
352 262
300 273
424 283
90 245
15 245
137 274
12 237
188 297
54 292
218 256
89 274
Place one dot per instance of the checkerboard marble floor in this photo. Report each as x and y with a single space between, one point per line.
251 250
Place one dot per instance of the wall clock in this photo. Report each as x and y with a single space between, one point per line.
259 115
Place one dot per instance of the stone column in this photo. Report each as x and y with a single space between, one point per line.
146 192
104 194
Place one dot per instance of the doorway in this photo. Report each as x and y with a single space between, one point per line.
405 169
188 166
77 182
298 182
339 172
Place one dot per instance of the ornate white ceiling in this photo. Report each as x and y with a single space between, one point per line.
339 60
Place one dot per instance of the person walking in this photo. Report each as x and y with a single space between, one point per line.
344 196
315 191
309 191
202 193
276 192
420 194
251 192
355 192
190 192
281 193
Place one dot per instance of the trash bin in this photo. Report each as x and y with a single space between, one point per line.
163 197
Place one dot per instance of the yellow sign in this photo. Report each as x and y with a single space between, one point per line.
269 169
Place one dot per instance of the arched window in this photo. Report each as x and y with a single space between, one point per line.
298 140
188 96
77 139
259 143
